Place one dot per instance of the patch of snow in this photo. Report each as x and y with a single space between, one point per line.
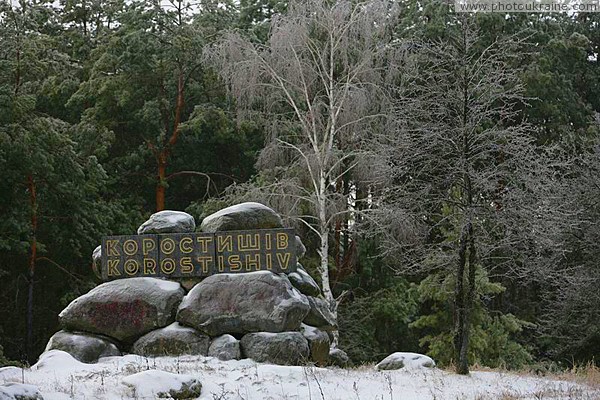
59 376
405 360
19 391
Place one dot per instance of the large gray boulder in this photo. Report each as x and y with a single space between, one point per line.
243 303
84 347
168 222
242 217
320 315
318 343
173 340
19 391
400 360
285 348
124 309
225 348
302 281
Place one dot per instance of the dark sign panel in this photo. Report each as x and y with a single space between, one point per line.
183 255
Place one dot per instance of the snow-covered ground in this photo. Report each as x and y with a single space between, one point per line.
59 376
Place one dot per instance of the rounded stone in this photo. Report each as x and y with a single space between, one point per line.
320 315
173 340
243 303
400 360
302 281
225 348
242 216
84 347
168 221
318 343
284 348
338 358
124 309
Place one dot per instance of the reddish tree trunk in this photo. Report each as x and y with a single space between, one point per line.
162 156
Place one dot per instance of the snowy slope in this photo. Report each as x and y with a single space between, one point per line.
59 376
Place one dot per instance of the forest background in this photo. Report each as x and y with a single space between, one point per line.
408 145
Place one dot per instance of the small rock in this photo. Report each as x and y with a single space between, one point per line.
302 281
318 343
338 358
173 340
19 391
124 309
300 248
284 348
243 303
153 384
84 347
168 222
225 348
320 315
409 360
242 217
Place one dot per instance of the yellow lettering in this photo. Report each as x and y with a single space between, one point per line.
268 241
249 242
221 263
149 266
235 264
224 243
269 258
130 247
111 248
112 268
167 266
203 261
204 241
186 265
148 245
131 267
282 241
167 245
252 261
284 260
185 245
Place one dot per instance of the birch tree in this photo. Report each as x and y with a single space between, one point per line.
319 82
464 173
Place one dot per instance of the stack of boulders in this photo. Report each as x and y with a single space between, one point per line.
268 317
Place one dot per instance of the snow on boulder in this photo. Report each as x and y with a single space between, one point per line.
57 359
154 384
285 348
86 348
240 217
320 315
174 340
243 303
302 281
168 222
318 343
405 360
19 391
96 261
225 348
124 309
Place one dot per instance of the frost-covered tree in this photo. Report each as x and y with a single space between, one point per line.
464 175
319 82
